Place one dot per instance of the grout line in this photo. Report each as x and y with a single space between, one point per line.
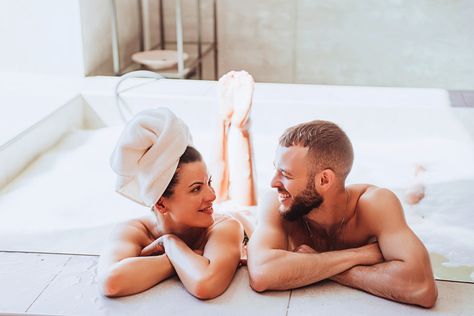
49 283
454 281
49 253
288 305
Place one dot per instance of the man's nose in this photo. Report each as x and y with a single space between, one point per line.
275 183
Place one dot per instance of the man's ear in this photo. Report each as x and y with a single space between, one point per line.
324 180
160 206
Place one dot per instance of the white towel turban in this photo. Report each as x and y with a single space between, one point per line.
147 154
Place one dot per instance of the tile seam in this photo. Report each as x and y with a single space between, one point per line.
49 283
288 305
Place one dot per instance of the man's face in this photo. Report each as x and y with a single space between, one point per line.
296 190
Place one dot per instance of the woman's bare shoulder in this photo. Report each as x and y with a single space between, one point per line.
225 221
140 230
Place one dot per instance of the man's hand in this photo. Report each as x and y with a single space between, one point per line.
370 254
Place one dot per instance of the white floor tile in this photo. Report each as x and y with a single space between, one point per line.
329 298
23 276
75 291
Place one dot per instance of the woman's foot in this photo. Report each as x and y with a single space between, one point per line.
243 87
235 97
225 96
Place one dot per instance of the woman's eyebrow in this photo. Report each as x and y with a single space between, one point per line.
197 182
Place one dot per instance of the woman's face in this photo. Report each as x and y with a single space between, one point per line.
191 201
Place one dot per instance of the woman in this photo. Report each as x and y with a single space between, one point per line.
158 167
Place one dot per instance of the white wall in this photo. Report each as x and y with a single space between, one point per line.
41 37
405 43
96 30
402 43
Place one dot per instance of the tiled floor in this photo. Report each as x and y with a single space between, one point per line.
67 285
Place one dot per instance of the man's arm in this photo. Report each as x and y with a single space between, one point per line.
272 267
406 276
209 275
122 271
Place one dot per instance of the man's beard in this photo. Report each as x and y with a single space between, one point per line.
303 203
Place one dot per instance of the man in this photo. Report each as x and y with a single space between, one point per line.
318 228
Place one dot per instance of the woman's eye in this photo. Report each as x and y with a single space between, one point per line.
196 189
209 182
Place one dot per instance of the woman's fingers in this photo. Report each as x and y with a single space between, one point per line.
304 249
155 248
199 251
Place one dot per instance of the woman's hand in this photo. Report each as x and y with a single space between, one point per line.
156 247
126 267
304 249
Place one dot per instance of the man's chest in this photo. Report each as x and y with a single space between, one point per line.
349 236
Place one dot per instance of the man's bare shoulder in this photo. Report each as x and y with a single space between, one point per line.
269 207
373 197
269 215
379 208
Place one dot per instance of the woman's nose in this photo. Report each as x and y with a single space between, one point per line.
211 195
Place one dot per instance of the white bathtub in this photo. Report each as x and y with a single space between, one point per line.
64 201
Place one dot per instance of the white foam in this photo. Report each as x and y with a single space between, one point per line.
69 187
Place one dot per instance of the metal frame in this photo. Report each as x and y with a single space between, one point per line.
183 71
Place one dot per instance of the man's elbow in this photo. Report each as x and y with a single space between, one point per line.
427 295
263 270
259 279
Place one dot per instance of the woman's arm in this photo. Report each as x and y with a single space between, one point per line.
122 271
209 275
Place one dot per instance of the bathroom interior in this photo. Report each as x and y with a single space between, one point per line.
397 76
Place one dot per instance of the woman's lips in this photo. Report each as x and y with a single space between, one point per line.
208 210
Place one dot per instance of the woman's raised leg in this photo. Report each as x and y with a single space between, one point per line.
240 152
225 100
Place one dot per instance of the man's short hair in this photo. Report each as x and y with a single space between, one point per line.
328 146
